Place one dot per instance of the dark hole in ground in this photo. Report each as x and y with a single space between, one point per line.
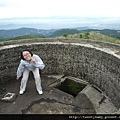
71 87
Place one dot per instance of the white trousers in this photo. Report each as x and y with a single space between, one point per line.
25 79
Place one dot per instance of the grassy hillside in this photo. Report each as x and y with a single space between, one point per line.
64 31
108 32
23 37
93 36
26 37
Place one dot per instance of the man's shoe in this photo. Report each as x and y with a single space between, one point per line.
21 92
40 92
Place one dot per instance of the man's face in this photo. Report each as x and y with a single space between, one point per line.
27 55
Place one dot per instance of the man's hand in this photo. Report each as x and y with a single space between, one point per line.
17 78
33 60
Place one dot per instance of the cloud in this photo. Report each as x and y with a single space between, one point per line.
9 3
36 8
3 4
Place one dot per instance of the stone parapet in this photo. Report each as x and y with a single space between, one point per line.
95 62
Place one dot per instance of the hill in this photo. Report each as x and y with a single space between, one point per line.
7 34
93 35
108 32
26 33
64 31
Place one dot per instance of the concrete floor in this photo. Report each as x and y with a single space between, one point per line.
52 101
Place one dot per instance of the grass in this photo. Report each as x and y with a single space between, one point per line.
23 37
26 37
93 36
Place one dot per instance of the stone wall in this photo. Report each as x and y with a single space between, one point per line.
79 58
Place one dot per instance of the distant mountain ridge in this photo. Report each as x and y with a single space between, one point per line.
60 22
7 34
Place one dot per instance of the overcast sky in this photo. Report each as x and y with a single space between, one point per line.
44 8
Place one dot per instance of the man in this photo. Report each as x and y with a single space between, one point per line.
30 62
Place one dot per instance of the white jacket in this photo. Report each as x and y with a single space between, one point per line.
30 66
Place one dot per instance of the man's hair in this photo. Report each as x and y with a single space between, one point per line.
22 57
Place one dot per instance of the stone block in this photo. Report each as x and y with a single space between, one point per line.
9 97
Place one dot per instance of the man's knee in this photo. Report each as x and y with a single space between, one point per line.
37 77
24 80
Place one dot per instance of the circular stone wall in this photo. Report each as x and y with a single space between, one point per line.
95 62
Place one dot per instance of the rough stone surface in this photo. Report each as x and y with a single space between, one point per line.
51 106
95 62
9 97
53 101
101 103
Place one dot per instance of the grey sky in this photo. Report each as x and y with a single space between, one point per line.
44 8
